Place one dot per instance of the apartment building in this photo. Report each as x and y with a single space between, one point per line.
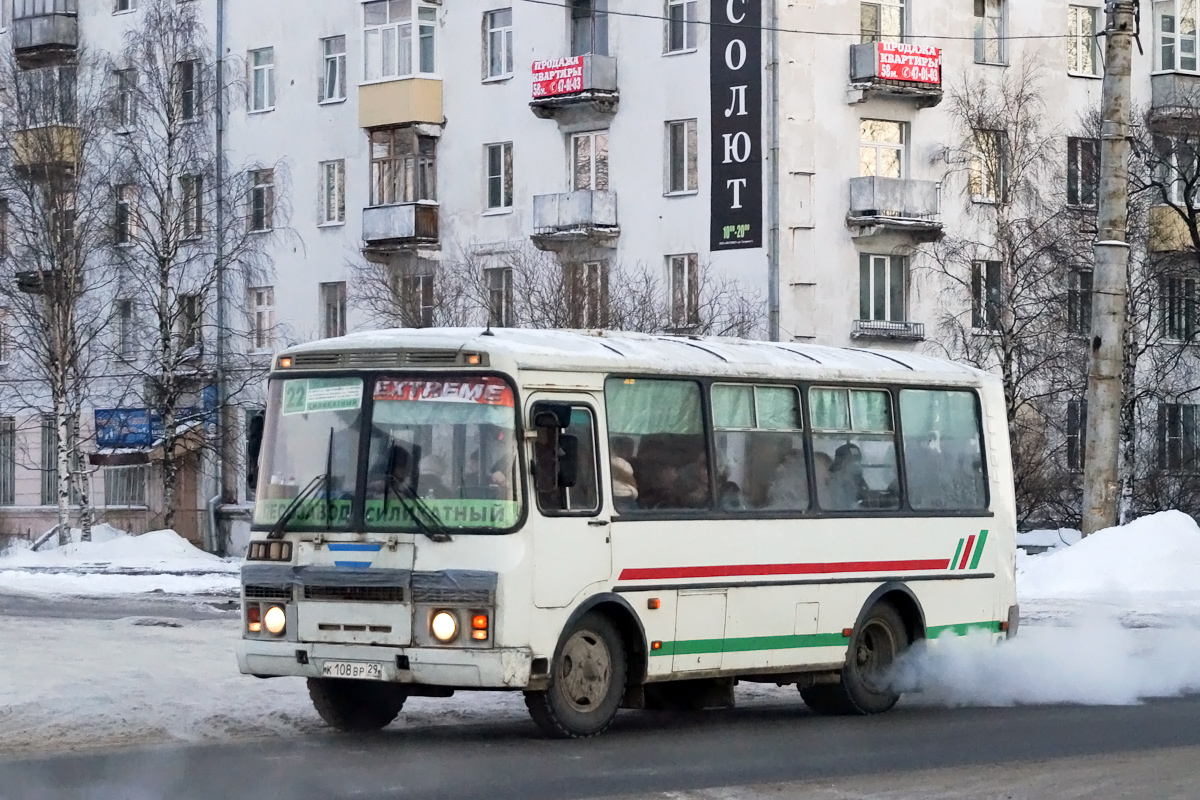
799 149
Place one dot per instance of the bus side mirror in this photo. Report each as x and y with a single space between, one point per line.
545 450
568 460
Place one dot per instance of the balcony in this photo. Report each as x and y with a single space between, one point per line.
44 30
884 329
575 218
890 71
1174 100
894 205
401 102
393 227
1169 232
576 89
48 150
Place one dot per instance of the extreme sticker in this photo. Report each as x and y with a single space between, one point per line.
484 390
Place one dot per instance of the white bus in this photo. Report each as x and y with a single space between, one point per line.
618 520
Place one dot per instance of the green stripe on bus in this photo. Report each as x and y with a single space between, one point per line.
962 629
957 553
750 643
979 549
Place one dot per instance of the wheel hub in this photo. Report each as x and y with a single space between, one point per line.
585 671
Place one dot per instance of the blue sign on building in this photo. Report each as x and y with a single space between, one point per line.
143 427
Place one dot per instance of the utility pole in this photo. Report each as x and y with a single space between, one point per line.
1110 276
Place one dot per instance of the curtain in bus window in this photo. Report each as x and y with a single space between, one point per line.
656 428
854 450
760 448
733 406
943 453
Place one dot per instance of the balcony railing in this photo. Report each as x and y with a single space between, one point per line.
404 223
1174 99
886 329
574 216
44 27
897 205
897 71
570 88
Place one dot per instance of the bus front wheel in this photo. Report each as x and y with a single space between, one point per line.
587 682
865 681
356 706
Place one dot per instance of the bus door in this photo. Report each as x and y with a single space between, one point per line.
571 530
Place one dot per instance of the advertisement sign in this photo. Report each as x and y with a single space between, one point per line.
735 58
557 76
913 63
143 427
305 396
483 390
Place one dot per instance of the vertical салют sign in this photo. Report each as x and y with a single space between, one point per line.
736 72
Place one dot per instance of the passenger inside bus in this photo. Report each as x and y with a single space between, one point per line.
789 484
847 486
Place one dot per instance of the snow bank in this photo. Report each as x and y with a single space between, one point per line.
1158 554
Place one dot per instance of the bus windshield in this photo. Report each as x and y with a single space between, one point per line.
310 446
442 452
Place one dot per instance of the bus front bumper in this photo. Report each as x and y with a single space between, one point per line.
499 668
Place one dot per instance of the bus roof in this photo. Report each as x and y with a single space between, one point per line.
609 351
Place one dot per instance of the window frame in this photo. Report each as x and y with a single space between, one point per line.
501 316
126 97
1186 435
260 217
878 35
595 12
262 337
125 313
596 156
1077 38
404 165
586 293
188 80
895 264
1177 308
124 6
415 29
265 71
504 177
191 205
987 302
1076 434
880 147
1172 40
338 63
684 304
125 227
333 295
504 35
690 162
989 171
982 35
1079 301
686 25
338 205
1083 179
8 460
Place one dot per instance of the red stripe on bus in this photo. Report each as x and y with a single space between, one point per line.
966 553
749 570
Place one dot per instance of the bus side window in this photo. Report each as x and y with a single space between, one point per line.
760 448
854 449
943 451
584 495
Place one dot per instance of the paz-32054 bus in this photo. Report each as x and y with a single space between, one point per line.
618 520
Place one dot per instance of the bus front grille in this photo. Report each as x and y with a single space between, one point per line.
268 593
356 594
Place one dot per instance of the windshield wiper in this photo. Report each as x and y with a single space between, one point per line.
431 525
308 492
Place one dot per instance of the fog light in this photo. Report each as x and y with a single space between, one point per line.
253 618
275 620
444 626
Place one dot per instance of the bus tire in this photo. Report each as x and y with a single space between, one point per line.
587 682
875 645
356 706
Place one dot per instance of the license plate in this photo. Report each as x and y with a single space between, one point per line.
362 670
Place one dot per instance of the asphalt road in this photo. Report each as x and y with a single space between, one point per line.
645 754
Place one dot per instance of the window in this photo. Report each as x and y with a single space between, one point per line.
882 284
989 167
683 280
6 336
191 190
333 309
4 223
52 91
657 445
943 450
124 5
262 317
989 32
589 27
498 50
262 79
589 161
1079 301
587 294
854 449
682 158
1177 169
187 75
189 321
1177 307
760 448
882 21
1175 28
1076 433
403 167
388 39
500 296
499 175
1178 438
1082 53
332 202
681 26
49 460
417 300
986 294
262 200
1083 172
881 148
255 422
126 486
8 461
126 98
583 496
125 214
126 336
333 72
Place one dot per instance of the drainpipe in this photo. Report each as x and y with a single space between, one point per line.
216 543
773 175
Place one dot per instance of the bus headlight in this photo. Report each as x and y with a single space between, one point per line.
444 626
275 620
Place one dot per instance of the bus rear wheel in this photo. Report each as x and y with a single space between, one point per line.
587 682
864 687
356 706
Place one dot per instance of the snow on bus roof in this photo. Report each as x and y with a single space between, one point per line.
558 350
